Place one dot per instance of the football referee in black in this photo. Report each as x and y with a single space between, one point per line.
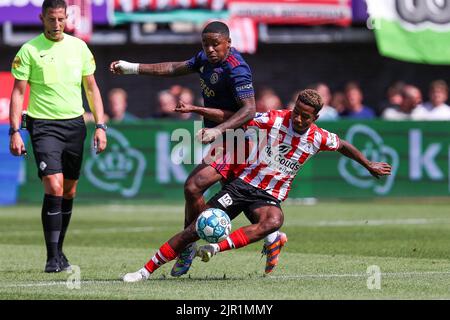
55 65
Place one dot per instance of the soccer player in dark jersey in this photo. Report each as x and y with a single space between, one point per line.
292 139
226 83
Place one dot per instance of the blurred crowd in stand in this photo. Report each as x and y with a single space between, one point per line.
403 101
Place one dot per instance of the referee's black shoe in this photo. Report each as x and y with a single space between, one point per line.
53 265
64 262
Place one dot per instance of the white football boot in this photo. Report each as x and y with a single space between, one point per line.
140 275
207 251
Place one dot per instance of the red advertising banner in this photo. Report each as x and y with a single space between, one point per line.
166 5
7 84
309 12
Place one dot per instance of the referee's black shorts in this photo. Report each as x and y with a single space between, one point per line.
238 196
58 145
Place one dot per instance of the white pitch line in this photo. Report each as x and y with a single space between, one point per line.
299 276
370 222
94 230
119 230
57 283
147 209
324 223
362 275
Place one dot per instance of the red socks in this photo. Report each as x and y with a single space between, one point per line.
236 240
164 255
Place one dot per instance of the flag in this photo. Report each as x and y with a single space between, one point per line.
309 12
413 31
244 34
79 20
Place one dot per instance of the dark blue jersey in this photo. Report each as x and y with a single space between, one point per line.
223 84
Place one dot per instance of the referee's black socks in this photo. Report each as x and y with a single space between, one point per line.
66 211
52 223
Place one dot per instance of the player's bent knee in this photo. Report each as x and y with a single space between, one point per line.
191 188
196 184
272 224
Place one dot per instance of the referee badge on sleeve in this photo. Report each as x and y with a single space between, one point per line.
16 62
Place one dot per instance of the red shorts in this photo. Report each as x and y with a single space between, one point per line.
230 163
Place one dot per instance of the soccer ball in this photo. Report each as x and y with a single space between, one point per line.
213 225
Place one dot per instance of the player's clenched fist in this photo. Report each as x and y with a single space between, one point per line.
124 67
208 135
182 107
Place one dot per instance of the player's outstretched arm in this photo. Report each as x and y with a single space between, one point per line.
376 169
238 119
168 69
212 114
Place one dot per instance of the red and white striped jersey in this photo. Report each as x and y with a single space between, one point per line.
280 152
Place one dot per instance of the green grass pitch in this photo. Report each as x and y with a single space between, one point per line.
330 248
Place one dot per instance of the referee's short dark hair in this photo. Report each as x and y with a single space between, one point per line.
217 27
53 4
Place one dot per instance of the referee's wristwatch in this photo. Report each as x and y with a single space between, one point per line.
101 126
12 131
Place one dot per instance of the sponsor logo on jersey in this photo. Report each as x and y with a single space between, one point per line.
245 87
206 90
284 148
277 160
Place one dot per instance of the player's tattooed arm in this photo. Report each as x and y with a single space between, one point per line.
168 69
239 118
212 114
376 169
171 69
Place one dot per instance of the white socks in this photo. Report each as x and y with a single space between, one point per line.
271 237
215 247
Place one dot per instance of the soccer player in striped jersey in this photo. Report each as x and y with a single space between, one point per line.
292 139
226 83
